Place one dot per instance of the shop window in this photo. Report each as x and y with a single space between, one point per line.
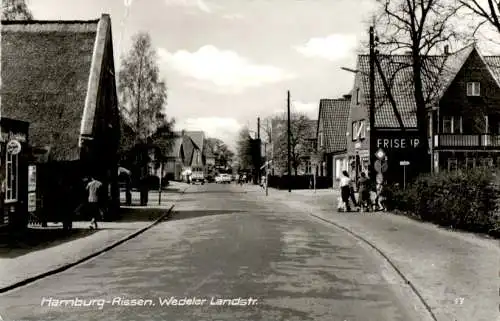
11 184
452 164
473 88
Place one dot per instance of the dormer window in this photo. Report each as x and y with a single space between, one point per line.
473 89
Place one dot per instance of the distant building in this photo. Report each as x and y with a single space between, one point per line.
59 76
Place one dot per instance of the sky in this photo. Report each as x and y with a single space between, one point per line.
227 62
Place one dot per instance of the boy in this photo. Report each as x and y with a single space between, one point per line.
93 201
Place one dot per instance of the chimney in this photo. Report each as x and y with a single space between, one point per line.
446 50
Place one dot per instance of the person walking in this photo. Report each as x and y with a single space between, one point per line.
345 190
379 200
352 192
93 201
364 192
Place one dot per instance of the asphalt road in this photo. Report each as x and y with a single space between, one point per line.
223 245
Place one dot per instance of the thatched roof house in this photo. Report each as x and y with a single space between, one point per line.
59 77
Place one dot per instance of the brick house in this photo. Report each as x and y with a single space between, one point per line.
331 131
59 76
462 92
465 120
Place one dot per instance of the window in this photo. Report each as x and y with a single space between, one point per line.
452 124
473 89
486 161
452 164
355 126
357 96
11 184
321 139
358 130
362 130
470 163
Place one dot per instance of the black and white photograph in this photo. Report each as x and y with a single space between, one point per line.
273 160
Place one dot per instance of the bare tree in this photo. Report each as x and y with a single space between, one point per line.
301 141
420 28
488 11
16 10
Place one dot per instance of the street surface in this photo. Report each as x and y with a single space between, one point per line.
224 247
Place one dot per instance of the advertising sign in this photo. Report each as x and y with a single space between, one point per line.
31 178
31 202
13 147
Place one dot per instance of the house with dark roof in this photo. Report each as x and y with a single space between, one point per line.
59 76
331 132
462 92
186 154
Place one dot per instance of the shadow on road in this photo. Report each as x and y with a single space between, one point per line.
188 214
140 214
34 239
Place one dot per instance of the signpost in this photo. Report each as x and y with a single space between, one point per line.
404 163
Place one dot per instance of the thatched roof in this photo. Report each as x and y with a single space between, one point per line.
45 73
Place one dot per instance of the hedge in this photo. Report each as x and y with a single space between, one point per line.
467 200
299 182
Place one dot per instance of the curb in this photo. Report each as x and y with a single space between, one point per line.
386 258
65 267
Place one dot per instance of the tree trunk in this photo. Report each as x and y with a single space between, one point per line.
421 111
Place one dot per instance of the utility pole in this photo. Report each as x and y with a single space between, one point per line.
289 145
259 159
372 105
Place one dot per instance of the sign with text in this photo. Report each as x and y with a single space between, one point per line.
398 142
31 178
31 202
404 163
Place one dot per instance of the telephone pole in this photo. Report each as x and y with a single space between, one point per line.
289 145
372 105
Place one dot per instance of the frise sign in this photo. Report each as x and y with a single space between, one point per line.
398 142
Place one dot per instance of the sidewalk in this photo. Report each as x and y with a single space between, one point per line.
14 269
456 273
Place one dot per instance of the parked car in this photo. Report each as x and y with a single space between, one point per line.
223 179
198 176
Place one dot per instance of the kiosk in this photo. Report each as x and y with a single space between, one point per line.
14 158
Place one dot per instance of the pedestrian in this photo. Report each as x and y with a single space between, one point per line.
380 199
364 192
352 193
345 190
93 202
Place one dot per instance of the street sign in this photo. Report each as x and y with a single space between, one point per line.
404 163
380 154
379 178
13 147
378 166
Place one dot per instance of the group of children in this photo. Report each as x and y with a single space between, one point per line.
369 197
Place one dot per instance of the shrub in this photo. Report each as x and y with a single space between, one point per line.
462 199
